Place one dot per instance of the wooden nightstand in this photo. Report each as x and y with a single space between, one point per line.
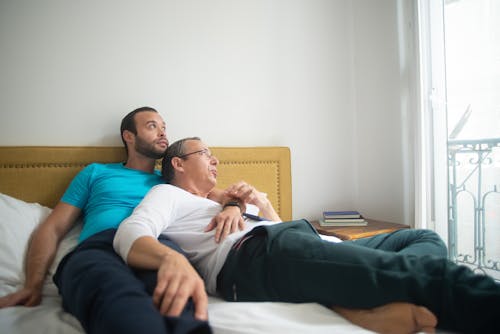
374 227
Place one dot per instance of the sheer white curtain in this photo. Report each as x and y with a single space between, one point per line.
431 129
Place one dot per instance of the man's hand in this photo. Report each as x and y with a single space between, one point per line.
249 195
41 252
177 281
226 222
23 297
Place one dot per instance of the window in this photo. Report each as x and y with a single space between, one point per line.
460 71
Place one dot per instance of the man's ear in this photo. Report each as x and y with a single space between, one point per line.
128 136
178 163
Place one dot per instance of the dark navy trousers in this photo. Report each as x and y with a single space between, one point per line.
289 262
107 296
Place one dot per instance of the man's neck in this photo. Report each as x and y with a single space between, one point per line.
143 164
190 188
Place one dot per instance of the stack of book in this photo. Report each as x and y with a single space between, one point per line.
342 218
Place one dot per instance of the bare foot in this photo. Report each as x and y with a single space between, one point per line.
393 318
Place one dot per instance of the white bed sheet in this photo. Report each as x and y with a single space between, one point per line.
267 317
225 318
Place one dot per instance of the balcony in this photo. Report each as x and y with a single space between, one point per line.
474 204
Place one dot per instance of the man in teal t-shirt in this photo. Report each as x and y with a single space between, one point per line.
107 194
96 286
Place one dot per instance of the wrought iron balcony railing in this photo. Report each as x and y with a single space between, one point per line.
474 204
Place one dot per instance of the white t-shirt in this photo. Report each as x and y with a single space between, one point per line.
183 217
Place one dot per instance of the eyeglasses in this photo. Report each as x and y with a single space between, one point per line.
206 152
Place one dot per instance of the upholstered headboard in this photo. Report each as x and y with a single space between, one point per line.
41 174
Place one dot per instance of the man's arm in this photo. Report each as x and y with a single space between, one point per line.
223 197
229 220
41 253
248 194
177 279
136 242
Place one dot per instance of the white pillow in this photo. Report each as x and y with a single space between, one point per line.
18 219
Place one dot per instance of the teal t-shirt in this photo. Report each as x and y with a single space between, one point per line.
107 194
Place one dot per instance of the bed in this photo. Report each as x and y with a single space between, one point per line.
32 179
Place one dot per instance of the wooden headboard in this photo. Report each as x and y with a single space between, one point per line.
41 174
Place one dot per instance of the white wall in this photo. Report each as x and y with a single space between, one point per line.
386 103
319 76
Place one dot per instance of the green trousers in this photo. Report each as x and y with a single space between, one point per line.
289 262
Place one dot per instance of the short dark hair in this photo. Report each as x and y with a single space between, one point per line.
128 122
176 149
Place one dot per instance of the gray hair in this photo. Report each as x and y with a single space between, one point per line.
176 149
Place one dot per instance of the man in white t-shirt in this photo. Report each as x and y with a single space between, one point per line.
289 262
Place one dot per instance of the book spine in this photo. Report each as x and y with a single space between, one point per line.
343 220
345 223
341 214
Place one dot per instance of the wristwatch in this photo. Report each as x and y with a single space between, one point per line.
232 203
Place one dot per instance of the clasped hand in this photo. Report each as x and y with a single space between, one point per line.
230 220
247 194
226 222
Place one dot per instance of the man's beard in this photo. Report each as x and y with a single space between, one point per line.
148 150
